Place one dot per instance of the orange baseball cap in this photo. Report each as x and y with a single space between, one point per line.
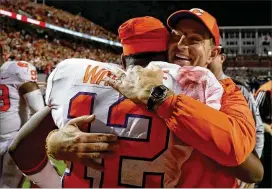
143 34
208 20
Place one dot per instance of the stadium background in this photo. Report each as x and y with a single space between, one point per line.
46 32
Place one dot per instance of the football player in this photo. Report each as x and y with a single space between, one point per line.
137 161
85 92
20 97
147 149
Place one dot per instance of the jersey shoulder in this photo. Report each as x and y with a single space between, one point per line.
177 72
73 66
76 72
176 76
21 71
171 72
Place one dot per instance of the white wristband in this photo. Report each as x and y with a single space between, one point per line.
34 100
47 177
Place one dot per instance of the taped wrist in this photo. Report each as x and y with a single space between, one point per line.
34 100
47 177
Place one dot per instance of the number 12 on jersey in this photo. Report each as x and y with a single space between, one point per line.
137 162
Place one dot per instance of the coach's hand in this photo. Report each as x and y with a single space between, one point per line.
71 144
136 83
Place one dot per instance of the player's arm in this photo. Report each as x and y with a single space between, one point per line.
250 171
33 96
30 89
69 143
30 144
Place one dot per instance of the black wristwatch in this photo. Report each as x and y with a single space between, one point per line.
157 94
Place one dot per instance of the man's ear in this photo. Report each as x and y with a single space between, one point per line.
123 61
215 51
223 57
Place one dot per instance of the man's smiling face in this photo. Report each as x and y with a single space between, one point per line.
190 44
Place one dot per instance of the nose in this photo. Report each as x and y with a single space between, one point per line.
181 43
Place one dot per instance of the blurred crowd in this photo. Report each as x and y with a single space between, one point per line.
57 17
43 47
251 78
46 49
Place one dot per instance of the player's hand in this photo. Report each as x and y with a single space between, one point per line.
136 83
71 144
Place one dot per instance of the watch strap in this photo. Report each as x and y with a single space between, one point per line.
153 97
150 103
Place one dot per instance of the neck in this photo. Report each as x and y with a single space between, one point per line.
220 75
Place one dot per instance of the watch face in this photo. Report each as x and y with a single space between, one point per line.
159 92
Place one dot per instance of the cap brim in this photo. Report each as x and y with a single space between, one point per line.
179 15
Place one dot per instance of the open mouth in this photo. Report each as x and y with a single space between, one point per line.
182 60
181 57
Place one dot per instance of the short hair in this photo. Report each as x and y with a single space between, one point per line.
222 50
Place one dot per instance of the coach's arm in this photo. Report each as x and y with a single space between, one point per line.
226 136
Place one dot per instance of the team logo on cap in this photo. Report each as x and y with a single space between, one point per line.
197 11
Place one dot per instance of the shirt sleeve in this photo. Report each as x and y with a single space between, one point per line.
227 136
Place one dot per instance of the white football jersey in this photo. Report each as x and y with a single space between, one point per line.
194 81
13 109
147 148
